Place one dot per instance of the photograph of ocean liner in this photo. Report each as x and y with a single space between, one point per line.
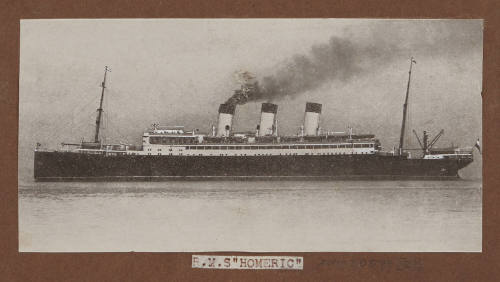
132 107
174 152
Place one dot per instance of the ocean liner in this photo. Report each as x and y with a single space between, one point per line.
171 152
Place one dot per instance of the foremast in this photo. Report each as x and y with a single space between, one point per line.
100 110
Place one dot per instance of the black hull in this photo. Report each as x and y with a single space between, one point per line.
68 166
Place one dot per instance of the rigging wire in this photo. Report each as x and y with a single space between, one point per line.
114 129
72 119
80 109
126 118
66 125
109 127
62 128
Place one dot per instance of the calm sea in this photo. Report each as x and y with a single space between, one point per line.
251 216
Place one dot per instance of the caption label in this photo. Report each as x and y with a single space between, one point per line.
247 262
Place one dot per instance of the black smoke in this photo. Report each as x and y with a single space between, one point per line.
339 59
343 58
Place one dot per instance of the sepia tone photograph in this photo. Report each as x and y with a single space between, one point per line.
261 135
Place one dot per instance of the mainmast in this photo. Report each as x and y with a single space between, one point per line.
405 107
99 110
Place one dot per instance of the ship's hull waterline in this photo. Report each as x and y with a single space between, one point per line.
70 166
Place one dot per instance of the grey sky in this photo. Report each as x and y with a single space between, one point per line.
176 72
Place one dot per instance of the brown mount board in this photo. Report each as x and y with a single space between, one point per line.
17 266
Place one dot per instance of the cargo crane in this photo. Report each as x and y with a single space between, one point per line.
424 144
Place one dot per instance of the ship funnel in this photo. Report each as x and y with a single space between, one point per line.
267 119
225 121
311 119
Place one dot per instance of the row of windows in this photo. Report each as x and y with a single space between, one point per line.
280 147
173 140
